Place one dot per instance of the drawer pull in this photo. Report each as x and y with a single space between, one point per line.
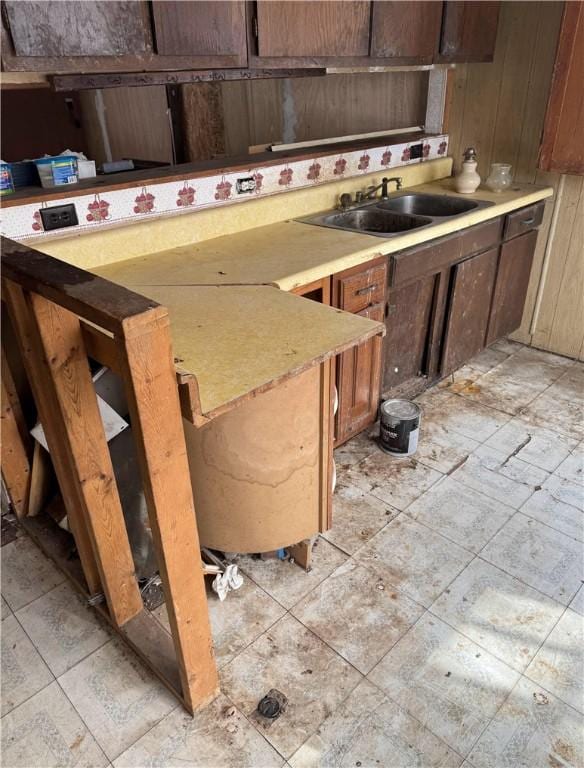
363 291
527 222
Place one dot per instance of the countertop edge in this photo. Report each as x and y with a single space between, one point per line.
385 247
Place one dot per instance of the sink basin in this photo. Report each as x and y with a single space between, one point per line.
399 213
428 205
373 221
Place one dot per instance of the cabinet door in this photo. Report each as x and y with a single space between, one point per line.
468 312
70 28
406 30
407 336
359 377
213 29
312 28
469 30
511 285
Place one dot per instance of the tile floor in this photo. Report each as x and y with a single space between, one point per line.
441 625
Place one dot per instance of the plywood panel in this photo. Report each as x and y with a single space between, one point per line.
137 123
558 323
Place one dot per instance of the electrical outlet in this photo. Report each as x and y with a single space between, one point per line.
59 216
416 151
244 185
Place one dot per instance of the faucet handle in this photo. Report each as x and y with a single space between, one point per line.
345 201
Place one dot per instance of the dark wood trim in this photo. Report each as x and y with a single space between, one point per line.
80 82
568 160
107 304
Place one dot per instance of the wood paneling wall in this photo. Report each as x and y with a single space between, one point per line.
127 122
499 108
265 111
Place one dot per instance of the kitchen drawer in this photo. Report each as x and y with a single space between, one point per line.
359 291
424 260
438 254
524 219
481 237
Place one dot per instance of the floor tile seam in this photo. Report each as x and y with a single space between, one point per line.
28 698
505 700
491 497
351 556
400 589
438 532
491 653
407 712
25 605
473 640
469 487
111 760
60 687
528 517
556 695
521 581
566 435
434 482
31 641
339 704
525 513
87 655
252 724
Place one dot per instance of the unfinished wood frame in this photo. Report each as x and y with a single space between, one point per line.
62 315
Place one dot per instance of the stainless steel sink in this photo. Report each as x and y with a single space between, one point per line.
374 221
429 205
397 214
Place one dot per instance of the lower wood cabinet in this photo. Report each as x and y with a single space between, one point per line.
361 290
451 297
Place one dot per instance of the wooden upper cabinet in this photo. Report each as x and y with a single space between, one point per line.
311 28
211 29
59 28
469 30
561 148
406 31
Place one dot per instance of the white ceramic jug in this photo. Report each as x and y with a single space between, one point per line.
468 179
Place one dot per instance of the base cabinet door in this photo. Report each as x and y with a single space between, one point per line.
358 377
469 308
408 321
511 285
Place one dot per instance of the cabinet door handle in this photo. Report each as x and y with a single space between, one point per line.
363 291
527 222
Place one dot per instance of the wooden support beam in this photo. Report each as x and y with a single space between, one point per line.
100 301
46 406
79 427
15 463
136 79
155 414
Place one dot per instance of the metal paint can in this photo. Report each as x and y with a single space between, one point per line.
399 427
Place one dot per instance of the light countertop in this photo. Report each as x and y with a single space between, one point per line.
236 332
238 340
291 253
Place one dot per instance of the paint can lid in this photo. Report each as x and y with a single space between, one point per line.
400 409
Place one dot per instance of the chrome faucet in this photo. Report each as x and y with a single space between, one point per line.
383 187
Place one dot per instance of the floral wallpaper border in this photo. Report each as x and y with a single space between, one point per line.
178 196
